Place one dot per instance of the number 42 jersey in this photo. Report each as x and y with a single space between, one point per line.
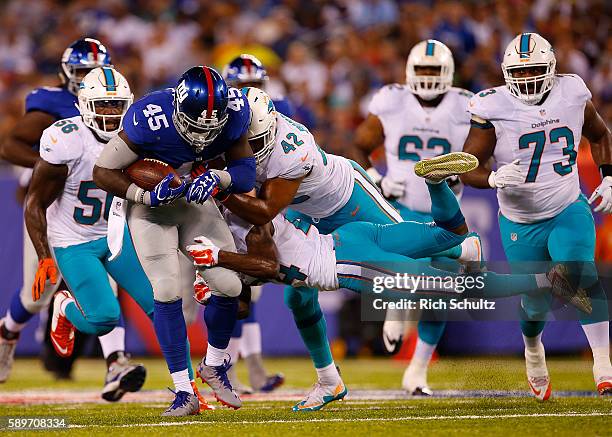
413 132
79 214
544 138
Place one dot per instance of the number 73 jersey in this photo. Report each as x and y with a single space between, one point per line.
79 214
413 133
544 138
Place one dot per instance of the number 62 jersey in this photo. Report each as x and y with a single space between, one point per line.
413 132
544 138
79 214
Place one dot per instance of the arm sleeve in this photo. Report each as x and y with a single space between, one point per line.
242 172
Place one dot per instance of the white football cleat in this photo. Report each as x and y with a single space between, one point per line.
471 253
537 373
415 379
394 329
321 395
603 379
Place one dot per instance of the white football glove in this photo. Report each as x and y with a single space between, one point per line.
509 175
390 188
204 253
604 191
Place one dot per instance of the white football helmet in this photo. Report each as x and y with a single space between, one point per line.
430 53
529 50
100 89
263 122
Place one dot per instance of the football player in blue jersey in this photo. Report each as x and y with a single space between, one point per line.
248 71
200 119
44 106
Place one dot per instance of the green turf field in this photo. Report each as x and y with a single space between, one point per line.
271 416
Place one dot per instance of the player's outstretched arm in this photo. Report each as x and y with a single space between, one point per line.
260 261
47 184
18 147
480 142
108 174
274 196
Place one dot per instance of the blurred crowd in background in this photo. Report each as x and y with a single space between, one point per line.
328 57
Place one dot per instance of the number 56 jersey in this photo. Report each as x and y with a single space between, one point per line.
413 132
544 138
79 214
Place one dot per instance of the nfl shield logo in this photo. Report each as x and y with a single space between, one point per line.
513 236
542 112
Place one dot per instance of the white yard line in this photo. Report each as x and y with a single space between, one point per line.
365 419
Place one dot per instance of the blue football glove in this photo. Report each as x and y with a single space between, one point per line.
163 193
203 187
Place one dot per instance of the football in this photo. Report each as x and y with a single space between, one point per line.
147 173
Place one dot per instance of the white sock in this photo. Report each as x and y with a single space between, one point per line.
113 341
214 356
251 339
598 335
423 351
533 343
233 349
328 375
181 381
11 324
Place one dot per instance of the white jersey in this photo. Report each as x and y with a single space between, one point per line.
78 215
413 132
544 138
328 182
307 258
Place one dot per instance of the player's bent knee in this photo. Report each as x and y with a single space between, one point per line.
223 282
298 297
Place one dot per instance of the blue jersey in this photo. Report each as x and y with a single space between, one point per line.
148 124
59 102
283 106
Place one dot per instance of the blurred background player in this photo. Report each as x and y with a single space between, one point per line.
66 217
43 106
421 119
532 127
248 71
198 120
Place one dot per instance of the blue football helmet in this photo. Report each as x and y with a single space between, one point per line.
200 106
80 58
245 70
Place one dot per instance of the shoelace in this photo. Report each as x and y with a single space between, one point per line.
180 399
221 374
312 391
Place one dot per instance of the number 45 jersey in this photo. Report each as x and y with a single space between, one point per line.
413 133
544 138
79 214
148 124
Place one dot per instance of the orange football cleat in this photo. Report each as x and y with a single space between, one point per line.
203 404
